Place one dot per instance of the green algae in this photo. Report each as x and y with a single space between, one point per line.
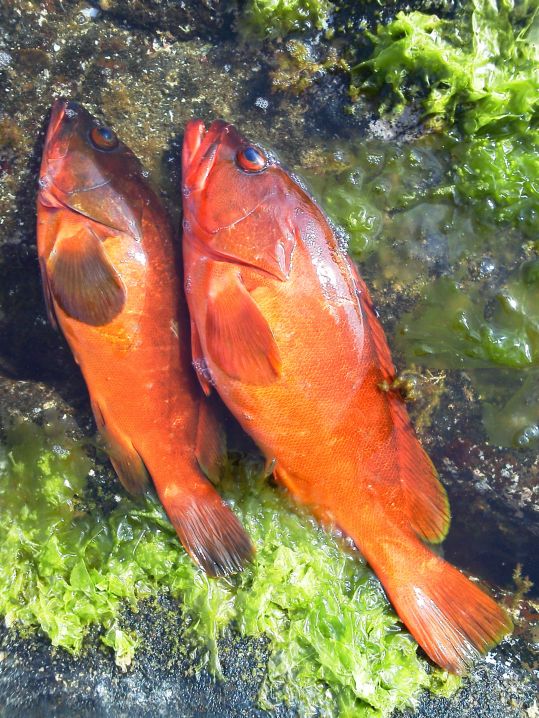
506 336
477 77
513 419
474 288
360 185
297 68
278 18
67 564
449 218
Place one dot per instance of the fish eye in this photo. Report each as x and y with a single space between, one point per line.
103 138
251 159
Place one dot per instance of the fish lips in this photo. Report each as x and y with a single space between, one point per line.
201 148
59 132
199 153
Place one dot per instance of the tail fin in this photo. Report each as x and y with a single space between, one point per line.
451 618
208 529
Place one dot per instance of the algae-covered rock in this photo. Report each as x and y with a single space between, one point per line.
147 67
273 18
197 18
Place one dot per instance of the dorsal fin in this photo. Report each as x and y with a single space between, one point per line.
428 506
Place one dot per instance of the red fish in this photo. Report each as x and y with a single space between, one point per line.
284 328
109 271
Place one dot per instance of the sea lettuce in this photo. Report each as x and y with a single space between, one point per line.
476 77
68 563
507 335
271 18
478 71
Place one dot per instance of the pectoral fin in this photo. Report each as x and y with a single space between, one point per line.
238 337
82 280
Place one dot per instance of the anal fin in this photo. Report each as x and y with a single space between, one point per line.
210 448
124 457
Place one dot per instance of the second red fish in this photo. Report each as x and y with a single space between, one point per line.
284 328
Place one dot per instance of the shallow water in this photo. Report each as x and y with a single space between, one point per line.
441 278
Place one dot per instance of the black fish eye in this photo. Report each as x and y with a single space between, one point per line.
251 159
103 138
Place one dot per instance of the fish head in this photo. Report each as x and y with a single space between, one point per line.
87 169
238 198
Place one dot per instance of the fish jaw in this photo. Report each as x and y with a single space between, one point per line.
55 121
193 136
200 149
55 149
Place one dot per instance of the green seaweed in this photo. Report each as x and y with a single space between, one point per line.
506 335
360 185
514 419
477 76
67 564
273 18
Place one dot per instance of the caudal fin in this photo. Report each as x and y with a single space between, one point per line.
450 617
208 529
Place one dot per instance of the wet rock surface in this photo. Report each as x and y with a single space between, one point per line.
148 67
35 681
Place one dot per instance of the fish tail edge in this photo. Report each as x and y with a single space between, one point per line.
451 618
208 529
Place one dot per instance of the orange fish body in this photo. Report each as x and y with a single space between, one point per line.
110 277
284 328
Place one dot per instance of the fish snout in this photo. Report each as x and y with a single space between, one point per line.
200 148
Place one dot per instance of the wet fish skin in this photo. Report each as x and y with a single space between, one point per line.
284 328
112 285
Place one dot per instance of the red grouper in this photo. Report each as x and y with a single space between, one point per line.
284 328
112 285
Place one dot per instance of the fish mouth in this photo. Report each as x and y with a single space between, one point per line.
60 129
200 149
